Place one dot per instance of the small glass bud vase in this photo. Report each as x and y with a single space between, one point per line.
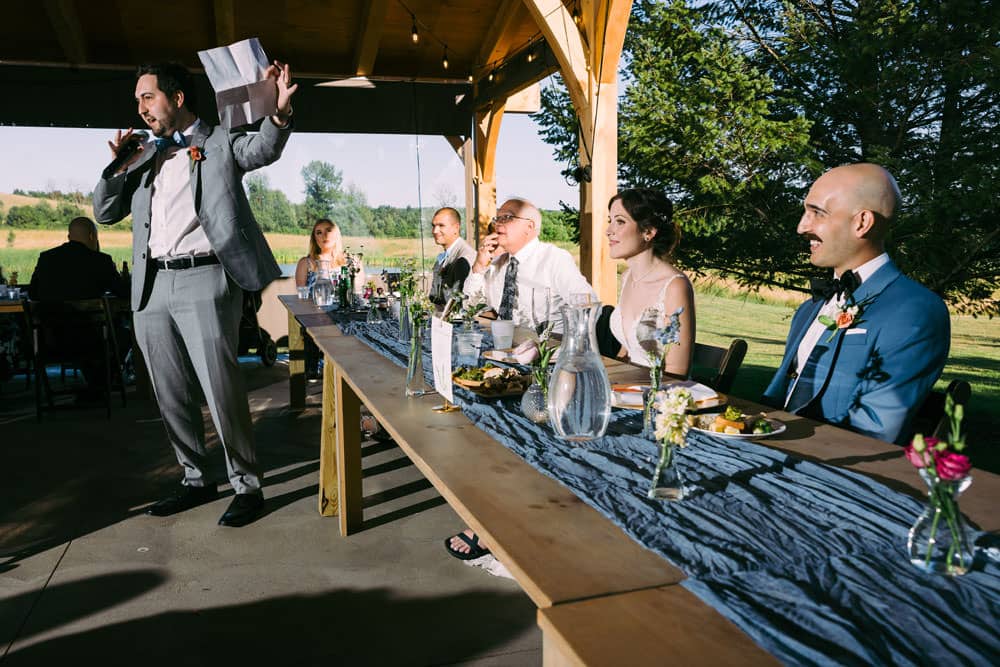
667 481
415 383
939 540
534 404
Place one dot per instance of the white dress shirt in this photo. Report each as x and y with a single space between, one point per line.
817 329
540 265
174 229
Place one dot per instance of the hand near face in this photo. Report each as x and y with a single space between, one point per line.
487 251
121 140
282 74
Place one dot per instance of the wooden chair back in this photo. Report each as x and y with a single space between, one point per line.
717 366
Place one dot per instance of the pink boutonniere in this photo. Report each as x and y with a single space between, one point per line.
847 315
194 152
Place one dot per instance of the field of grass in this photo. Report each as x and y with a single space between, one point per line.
723 313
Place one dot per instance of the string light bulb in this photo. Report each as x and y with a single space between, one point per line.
577 19
471 79
492 75
444 58
414 35
531 56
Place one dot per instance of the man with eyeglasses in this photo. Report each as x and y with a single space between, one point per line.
507 276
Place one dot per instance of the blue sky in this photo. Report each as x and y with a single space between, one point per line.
384 167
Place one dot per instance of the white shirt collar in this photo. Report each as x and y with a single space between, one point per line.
866 270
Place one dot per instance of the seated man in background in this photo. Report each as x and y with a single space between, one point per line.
508 279
79 270
456 259
866 350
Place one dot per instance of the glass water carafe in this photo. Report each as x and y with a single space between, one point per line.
323 288
579 391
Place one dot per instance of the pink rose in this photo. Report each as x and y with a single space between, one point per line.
952 466
844 319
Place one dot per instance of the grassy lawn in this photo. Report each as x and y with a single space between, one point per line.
761 320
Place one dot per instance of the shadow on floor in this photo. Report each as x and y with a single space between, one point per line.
348 627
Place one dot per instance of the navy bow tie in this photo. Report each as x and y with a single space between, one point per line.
823 289
177 139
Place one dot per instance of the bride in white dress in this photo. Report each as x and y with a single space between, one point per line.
641 231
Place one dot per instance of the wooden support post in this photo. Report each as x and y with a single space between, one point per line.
487 133
296 365
328 443
348 455
588 61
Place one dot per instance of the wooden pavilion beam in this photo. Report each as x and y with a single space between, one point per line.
370 34
66 24
487 133
588 58
501 24
225 22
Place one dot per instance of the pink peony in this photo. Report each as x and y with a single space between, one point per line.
952 466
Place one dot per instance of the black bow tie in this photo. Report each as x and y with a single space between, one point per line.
823 289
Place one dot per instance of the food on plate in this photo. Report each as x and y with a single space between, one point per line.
734 422
490 379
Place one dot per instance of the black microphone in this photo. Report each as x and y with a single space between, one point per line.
125 152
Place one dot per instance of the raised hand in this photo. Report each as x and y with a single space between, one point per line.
122 140
282 74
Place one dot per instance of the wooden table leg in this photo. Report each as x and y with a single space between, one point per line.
348 456
328 505
296 365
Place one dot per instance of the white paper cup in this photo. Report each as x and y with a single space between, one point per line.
503 334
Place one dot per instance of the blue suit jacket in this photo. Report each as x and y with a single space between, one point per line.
219 200
875 375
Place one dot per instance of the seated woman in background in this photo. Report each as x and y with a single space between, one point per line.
641 231
325 245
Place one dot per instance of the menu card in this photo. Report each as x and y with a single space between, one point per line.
441 357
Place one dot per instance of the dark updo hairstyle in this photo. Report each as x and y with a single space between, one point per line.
170 78
651 210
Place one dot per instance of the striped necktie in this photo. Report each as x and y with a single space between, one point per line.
508 301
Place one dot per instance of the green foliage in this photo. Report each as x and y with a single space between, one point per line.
11 238
43 215
271 208
911 85
322 189
561 225
734 107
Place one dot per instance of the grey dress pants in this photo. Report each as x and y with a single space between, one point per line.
189 334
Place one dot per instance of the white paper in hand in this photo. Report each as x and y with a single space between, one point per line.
243 93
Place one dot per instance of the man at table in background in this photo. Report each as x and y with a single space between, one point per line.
866 350
456 259
196 249
509 278
79 270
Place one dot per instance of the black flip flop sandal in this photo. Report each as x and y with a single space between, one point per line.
475 551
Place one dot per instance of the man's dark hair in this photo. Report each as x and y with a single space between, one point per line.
170 78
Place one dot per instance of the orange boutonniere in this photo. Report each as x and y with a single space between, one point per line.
194 152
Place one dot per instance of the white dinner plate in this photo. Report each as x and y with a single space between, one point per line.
778 426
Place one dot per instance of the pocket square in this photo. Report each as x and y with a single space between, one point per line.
851 332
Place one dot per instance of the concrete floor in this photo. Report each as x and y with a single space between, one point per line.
85 575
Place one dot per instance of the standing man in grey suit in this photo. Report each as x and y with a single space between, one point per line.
196 248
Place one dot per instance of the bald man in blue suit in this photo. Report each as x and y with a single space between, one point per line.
864 358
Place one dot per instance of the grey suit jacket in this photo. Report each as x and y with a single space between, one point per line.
219 199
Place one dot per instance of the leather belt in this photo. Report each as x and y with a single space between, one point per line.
187 262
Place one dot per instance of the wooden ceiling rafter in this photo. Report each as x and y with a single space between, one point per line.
370 35
68 30
225 21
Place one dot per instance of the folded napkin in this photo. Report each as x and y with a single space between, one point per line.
630 395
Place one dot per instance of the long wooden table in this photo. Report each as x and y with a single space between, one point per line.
602 598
